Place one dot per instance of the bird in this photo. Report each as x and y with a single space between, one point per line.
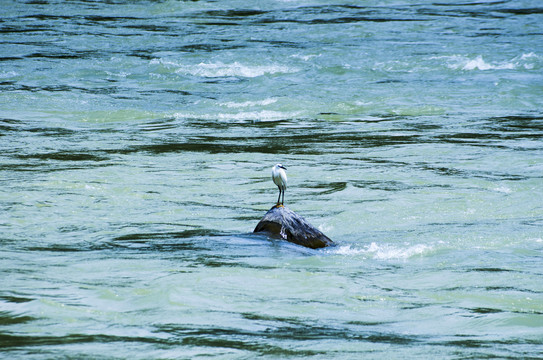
279 177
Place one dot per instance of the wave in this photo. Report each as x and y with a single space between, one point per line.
219 69
264 102
383 251
264 115
528 61
8 74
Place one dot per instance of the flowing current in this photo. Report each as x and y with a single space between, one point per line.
136 146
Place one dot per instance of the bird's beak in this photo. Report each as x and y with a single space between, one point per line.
282 167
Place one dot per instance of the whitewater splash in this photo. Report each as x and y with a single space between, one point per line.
263 115
383 251
220 69
460 62
232 104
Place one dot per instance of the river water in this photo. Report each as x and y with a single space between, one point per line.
136 146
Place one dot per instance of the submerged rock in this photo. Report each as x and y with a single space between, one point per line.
284 223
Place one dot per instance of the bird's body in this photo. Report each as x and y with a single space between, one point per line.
279 177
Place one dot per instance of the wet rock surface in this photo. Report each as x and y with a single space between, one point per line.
281 222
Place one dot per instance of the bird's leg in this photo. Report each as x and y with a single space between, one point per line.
283 202
279 198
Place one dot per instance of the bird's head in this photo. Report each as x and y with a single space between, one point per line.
279 166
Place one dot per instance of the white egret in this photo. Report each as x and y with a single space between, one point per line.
279 177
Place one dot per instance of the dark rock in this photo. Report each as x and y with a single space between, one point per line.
283 223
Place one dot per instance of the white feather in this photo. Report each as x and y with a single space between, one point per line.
279 176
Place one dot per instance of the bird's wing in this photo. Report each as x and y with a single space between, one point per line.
284 178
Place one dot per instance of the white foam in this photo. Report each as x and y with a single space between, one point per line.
121 74
220 69
264 115
264 102
384 251
461 62
503 189
390 252
304 57
8 74
480 64
529 56
325 228
348 250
